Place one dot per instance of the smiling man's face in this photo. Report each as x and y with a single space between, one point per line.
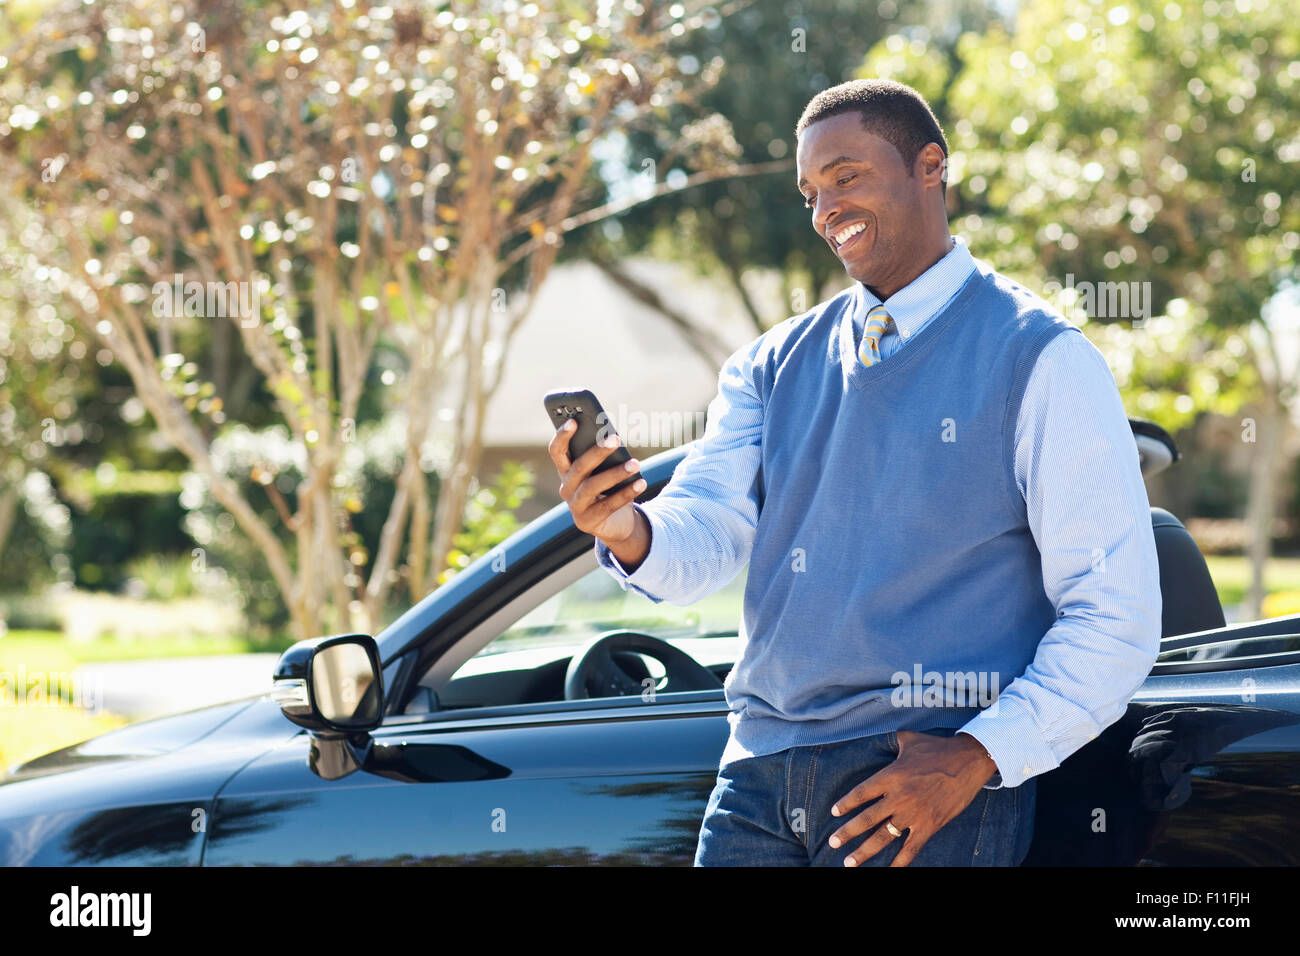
859 191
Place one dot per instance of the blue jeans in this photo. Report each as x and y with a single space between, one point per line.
775 810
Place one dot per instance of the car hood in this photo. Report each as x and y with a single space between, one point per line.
138 796
216 725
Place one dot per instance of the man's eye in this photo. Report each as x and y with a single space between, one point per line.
810 202
847 179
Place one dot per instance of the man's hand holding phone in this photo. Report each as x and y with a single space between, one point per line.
610 518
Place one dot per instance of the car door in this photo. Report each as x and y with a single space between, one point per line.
1243 797
619 780
1203 769
609 785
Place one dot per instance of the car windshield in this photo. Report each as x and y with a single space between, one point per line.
595 604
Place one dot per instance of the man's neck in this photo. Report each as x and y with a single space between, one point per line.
949 246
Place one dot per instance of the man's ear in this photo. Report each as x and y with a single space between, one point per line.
932 164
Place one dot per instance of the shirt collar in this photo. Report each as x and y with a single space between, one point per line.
922 298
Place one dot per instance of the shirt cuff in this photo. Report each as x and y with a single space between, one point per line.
1011 736
649 575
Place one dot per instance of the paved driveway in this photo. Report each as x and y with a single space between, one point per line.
141 689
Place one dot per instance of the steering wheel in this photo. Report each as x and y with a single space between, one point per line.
594 667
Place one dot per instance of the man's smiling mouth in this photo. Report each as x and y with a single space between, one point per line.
846 235
843 235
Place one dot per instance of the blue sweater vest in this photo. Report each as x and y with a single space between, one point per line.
894 582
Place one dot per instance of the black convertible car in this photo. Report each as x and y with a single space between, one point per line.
532 712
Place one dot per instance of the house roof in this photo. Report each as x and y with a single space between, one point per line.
584 331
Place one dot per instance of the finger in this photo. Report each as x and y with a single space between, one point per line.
874 844
558 449
868 819
600 482
583 466
597 453
912 843
596 514
869 789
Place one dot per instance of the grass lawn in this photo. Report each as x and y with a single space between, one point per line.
27 732
27 645
31 726
1231 576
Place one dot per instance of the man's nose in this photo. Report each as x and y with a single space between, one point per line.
825 211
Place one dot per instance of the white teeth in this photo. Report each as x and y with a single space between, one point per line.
843 237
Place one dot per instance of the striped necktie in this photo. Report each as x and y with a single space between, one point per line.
877 321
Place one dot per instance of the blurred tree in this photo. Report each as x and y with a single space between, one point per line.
316 178
67 421
774 58
1146 148
490 517
43 365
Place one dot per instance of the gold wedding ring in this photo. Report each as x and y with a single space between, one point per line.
889 825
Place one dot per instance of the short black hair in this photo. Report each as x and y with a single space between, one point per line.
893 111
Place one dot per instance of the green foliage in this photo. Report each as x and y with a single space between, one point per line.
1174 369
1152 142
88 484
1219 493
489 516
118 529
28 556
266 467
162 577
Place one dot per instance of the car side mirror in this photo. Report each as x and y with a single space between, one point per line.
333 686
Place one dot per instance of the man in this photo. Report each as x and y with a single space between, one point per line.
952 573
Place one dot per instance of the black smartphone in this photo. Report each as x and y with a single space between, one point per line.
593 425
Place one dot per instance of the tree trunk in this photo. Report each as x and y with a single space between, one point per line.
1263 493
726 252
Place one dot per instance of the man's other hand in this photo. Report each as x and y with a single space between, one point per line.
930 782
